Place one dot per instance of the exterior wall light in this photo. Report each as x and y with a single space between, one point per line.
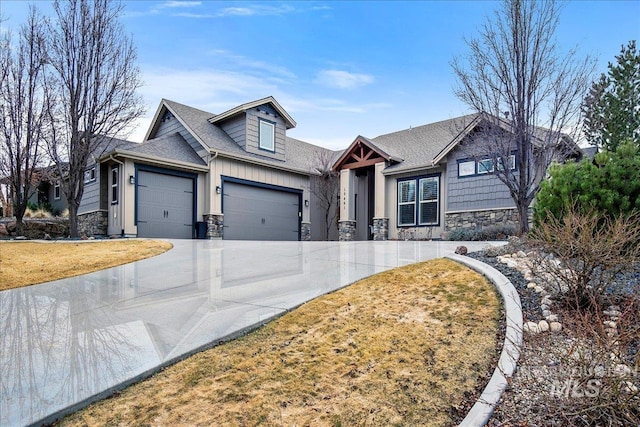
218 189
132 179
306 203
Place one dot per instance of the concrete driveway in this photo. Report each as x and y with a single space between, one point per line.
68 342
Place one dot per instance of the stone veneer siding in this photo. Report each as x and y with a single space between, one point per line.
346 230
481 219
305 232
214 225
93 223
380 228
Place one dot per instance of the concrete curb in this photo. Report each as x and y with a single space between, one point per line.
482 410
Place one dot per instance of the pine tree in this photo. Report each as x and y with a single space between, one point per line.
612 108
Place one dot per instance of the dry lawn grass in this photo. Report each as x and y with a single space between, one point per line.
405 347
29 263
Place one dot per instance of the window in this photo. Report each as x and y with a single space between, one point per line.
421 210
511 160
56 190
429 194
114 186
467 168
407 202
485 166
90 174
267 135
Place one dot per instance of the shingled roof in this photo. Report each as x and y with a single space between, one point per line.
420 146
300 156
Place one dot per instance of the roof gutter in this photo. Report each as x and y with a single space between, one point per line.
159 160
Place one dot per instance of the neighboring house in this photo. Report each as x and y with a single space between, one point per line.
422 182
235 175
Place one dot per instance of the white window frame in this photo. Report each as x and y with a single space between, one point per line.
115 181
90 174
411 202
512 162
56 190
482 169
435 201
269 128
467 168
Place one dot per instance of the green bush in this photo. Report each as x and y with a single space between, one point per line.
609 185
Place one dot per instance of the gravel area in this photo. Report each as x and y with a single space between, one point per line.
545 387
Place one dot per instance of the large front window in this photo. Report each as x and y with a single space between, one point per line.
422 207
267 135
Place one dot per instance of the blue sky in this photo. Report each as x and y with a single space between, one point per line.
340 68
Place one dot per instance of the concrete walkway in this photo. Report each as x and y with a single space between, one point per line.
66 343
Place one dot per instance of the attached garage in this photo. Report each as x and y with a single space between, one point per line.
254 211
164 204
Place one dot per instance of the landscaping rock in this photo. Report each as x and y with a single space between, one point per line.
552 318
461 250
3 230
555 326
543 326
531 327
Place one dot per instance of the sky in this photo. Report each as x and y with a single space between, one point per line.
339 68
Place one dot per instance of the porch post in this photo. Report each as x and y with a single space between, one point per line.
380 217
347 223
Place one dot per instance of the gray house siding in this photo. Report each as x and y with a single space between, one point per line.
252 118
481 192
236 128
91 196
171 125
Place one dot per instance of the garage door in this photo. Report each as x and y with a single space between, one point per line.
257 213
164 206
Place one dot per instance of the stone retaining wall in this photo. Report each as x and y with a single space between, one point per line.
93 224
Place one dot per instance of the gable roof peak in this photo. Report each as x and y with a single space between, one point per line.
290 123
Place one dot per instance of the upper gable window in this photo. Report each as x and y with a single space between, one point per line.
267 135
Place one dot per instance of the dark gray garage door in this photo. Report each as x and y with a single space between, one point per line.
256 213
164 206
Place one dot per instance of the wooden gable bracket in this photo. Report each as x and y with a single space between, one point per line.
359 155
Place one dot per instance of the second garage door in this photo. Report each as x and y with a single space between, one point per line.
257 213
164 206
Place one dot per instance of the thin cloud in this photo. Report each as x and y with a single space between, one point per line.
274 71
339 79
175 4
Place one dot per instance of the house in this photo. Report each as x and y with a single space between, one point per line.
234 175
238 176
424 182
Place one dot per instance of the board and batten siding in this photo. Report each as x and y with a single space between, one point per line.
222 166
252 122
236 128
169 126
480 192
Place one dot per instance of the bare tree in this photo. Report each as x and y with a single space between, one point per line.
95 80
325 189
23 106
528 93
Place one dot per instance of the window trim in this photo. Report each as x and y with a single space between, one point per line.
412 203
467 162
272 125
424 202
56 191
92 174
482 169
417 202
482 172
115 181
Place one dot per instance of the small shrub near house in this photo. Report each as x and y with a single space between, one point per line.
492 232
